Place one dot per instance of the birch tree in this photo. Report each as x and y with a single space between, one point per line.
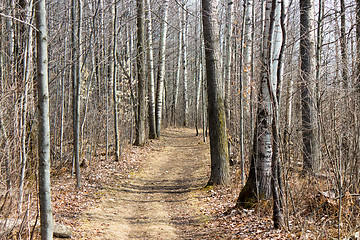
151 75
178 69
161 69
185 66
258 184
216 109
46 221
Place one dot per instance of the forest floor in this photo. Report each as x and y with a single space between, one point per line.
162 198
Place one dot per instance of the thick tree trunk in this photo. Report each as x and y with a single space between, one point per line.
258 184
141 108
216 108
161 70
307 62
357 71
44 123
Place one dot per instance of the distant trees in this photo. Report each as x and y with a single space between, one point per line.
113 80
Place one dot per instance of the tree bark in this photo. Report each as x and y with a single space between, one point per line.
357 71
258 184
151 75
114 80
343 44
216 108
44 123
185 67
140 60
307 59
178 69
161 69
227 56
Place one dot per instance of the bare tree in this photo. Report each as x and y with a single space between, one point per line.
114 80
161 69
44 122
216 108
307 64
151 70
141 108
185 66
258 183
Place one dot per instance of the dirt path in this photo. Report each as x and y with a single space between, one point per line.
159 202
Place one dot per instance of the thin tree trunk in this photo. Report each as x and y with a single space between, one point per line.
227 56
140 124
197 76
151 75
46 226
178 69
62 114
185 68
202 74
216 109
279 40
161 69
245 76
24 99
343 45
114 80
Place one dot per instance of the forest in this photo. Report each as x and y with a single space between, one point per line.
180 119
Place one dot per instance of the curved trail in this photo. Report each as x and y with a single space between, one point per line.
158 202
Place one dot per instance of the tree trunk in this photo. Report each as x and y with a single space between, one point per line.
27 63
161 70
44 123
357 71
178 69
307 59
141 108
227 56
343 45
114 80
258 183
216 108
151 76
185 68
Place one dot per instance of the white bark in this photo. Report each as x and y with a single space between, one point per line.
185 68
161 70
151 74
24 99
178 69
